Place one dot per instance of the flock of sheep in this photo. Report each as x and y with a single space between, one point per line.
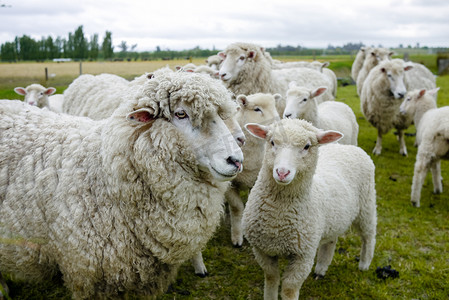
116 183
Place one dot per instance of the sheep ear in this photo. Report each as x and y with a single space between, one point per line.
292 84
50 91
433 91
408 67
20 90
257 130
222 55
325 65
252 54
277 97
318 91
421 93
328 136
391 54
141 116
242 100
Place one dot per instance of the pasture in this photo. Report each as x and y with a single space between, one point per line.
413 241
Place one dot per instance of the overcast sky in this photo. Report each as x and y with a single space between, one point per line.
185 24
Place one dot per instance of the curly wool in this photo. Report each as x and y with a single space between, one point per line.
114 206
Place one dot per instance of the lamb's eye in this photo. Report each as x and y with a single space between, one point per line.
307 146
181 114
304 100
257 109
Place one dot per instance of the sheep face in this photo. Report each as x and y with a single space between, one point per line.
233 62
411 99
394 73
300 100
258 108
35 94
292 147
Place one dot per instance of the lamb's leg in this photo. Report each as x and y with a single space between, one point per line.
236 212
378 148
4 287
270 267
198 265
402 145
324 258
296 272
421 168
436 177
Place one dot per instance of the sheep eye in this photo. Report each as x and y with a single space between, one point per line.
181 114
242 57
272 143
307 146
257 109
408 99
304 100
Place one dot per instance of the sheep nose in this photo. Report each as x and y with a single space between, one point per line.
234 161
222 75
401 95
287 116
241 141
282 173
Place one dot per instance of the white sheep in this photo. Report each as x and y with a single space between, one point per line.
214 61
305 197
381 97
40 96
373 57
330 115
432 135
246 70
116 205
358 62
419 77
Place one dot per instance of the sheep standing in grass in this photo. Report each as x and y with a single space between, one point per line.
40 96
246 70
330 115
305 197
381 97
432 136
373 57
358 62
116 205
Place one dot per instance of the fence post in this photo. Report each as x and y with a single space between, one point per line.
46 74
81 68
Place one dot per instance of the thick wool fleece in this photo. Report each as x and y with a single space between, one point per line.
114 206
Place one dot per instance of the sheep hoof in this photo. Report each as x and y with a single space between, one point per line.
237 245
318 276
415 204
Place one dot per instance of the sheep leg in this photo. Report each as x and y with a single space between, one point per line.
402 145
236 208
435 168
324 257
198 265
270 267
3 286
296 272
378 148
421 168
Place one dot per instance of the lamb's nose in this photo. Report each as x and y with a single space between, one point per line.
282 173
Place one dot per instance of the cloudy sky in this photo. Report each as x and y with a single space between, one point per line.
185 24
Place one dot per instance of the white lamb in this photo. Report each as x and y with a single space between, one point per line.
305 197
38 95
432 135
358 62
329 115
380 100
116 205
246 70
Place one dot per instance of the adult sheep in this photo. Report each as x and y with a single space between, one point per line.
381 97
329 115
305 197
246 70
118 204
432 135
40 96
358 62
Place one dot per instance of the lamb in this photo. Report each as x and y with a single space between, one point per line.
358 62
118 204
380 100
38 95
373 57
329 115
432 134
246 70
305 197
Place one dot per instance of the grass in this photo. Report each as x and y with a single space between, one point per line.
413 241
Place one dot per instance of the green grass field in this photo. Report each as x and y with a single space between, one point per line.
413 241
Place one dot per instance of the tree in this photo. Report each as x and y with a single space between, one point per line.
79 44
108 49
8 51
94 47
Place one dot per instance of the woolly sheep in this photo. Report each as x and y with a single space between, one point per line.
419 77
38 95
432 135
329 115
358 62
380 100
246 70
118 204
305 197
214 61
373 57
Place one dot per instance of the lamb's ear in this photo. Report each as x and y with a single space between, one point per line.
421 93
328 136
257 130
141 116
408 67
325 65
433 92
222 55
277 97
242 100
318 91
50 91
390 54
20 90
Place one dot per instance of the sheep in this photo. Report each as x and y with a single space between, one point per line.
246 70
432 135
38 95
329 115
214 61
419 77
381 97
373 57
358 62
305 197
118 204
